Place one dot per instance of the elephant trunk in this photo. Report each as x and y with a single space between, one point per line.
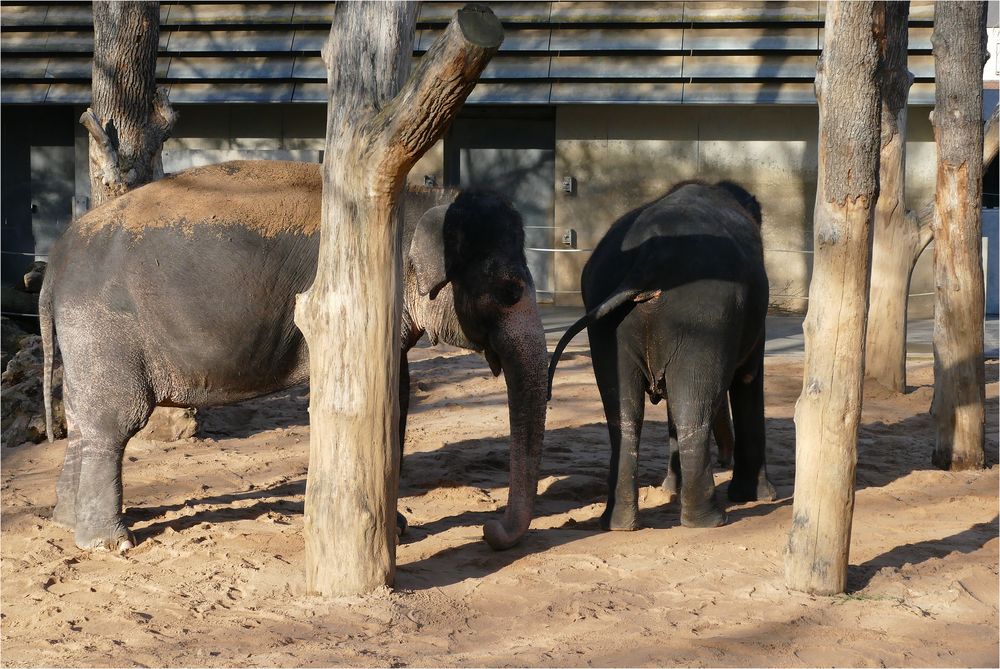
519 342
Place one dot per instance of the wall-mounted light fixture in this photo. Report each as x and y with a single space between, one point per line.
569 185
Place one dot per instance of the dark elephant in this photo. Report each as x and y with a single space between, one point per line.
676 295
139 326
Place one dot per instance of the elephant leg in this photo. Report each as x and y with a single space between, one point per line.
404 409
102 436
749 481
64 512
722 430
672 481
102 417
624 404
693 407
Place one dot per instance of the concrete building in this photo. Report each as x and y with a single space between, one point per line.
589 109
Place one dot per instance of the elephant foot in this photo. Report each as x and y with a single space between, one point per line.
620 519
115 537
766 491
710 517
64 514
751 491
401 524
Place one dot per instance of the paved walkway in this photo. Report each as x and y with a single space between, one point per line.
784 333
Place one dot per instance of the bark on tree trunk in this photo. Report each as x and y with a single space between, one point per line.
896 232
129 118
959 41
829 408
350 315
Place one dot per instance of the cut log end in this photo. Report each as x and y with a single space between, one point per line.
480 26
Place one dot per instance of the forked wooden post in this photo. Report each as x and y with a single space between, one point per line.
829 408
350 316
959 41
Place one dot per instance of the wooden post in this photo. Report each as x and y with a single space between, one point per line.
959 41
129 118
350 315
897 239
829 408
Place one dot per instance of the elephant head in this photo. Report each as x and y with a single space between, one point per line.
475 247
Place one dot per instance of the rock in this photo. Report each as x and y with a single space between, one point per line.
169 424
34 276
21 402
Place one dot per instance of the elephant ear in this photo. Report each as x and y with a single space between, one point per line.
427 252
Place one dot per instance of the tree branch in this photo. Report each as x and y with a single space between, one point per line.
421 112
109 155
924 220
164 114
990 139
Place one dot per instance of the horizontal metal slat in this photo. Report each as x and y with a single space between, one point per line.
921 66
749 93
64 14
750 66
233 67
748 39
507 12
309 92
514 67
755 10
187 93
309 40
617 12
23 15
228 13
309 67
515 39
45 41
759 11
194 41
616 67
921 93
70 68
616 92
510 93
23 68
19 93
921 10
69 93
313 12
618 39
920 38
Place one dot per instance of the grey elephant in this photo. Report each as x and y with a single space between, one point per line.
139 326
677 294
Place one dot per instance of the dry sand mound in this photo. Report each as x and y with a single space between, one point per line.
217 579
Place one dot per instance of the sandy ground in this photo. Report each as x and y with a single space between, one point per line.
217 579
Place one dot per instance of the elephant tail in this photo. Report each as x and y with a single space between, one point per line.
48 330
617 299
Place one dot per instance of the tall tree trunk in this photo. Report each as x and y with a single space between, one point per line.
129 118
829 408
896 235
350 315
959 41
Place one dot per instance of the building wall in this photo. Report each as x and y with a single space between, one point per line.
622 157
